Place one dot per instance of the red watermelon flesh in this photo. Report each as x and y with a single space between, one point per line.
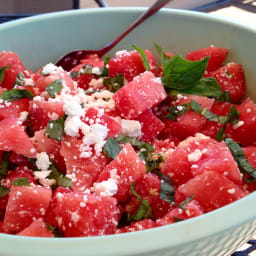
137 226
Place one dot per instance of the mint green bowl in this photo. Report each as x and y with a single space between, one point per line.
42 39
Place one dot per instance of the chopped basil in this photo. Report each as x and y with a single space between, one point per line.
4 164
2 72
177 110
16 94
143 57
114 83
3 191
87 69
19 79
111 148
162 54
183 204
221 134
106 59
176 219
54 88
180 74
153 162
61 180
240 158
225 97
55 231
144 211
23 181
55 128
167 191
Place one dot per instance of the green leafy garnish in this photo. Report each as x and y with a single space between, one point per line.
114 83
183 204
162 54
23 181
3 191
87 69
4 164
19 79
176 219
144 211
106 59
54 230
54 88
177 110
167 190
111 148
143 57
2 72
16 94
240 158
55 128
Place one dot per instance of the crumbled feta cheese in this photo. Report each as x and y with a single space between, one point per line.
195 156
131 128
50 69
72 106
240 123
106 187
232 191
41 174
23 116
42 161
28 82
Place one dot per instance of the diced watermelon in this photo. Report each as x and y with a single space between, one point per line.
37 229
244 132
212 190
3 203
126 168
139 95
41 112
137 226
78 214
217 56
19 160
231 78
25 204
84 171
151 126
130 64
1 230
10 59
12 136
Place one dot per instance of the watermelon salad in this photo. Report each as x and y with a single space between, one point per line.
120 144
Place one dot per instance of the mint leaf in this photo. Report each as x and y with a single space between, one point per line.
177 110
143 57
167 190
16 94
176 219
111 148
240 158
180 74
55 128
3 191
114 83
4 164
23 181
2 72
106 59
183 204
163 56
87 69
19 79
54 88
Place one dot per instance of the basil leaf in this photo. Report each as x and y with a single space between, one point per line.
111 148
176 219
2 72
23 181
61 180
54 230
114 83
16 94
183 204
144 211
180 74
55 128
54 88
196 107
4 164
87 69
225 97
167 190
143 57
153 162
106 59
162 54
240 158
221 134
177 110
3 191
19 79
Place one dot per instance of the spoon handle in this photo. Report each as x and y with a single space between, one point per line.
153 9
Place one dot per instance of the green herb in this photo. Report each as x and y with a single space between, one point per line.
167 190
176 219
54 230
54 88
3 191
177 110
106 59
153 162
2 72
143 57
4 164
221 134
55 128
19 79
240 158
111 148
23 181
180 74
225 97
60 179
114 83
183 204
144 211
16 94
162 54
87 69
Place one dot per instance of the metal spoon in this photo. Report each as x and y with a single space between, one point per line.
73 58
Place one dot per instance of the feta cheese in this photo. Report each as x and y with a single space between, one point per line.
240 123
106 187
195 156
72 106
42 161
50 69
131 128
23 116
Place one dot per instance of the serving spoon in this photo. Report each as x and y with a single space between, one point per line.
73 58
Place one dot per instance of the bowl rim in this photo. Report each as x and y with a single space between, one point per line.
221 217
